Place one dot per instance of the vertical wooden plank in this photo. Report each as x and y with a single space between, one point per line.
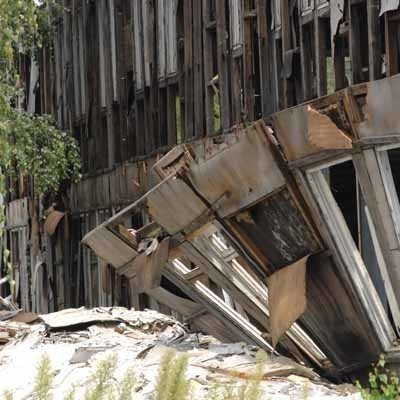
82 55
58 76
265 58
339 64
374 39
171 36
75 57
222 62
102 45
391 32
147 33
248 65
286 46
236 23
321 37
198 69
355 43
208 67
138 43
171 114
306 56
188 68
113 49
161 39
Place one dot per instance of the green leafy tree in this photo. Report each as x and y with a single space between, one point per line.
29 144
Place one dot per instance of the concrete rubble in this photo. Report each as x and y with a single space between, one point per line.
76 339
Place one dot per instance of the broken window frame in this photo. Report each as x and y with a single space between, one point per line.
389 185
220 262
350 257
260 290
212 302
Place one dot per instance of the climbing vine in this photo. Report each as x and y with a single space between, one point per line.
30 144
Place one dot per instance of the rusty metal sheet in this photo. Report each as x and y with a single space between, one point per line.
287 297
174 206
388 5
109 246
238 175
381 109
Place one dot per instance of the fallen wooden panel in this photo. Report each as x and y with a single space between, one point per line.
109 246
381 109
240 174
287 297
148 268
172 214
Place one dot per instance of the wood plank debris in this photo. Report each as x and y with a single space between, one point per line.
75 352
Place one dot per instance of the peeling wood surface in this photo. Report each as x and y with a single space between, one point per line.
277 229
287 297
172 215
236 185
109 247
52 221
381 111
324 134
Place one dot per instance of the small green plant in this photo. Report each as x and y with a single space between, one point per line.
8 395
43 379
171 380
383 385
102 384
71 393
127 385
248 390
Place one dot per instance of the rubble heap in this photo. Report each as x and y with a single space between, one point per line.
76 340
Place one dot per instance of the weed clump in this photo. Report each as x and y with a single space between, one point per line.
171 381
43 379
383 385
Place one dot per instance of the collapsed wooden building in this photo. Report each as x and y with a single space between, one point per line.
240 171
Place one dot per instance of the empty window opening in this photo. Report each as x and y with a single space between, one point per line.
349 198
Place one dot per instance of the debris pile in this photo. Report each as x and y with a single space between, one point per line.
76 340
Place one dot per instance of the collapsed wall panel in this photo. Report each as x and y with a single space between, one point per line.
238 187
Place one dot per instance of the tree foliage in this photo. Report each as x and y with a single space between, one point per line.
29 144
32 143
